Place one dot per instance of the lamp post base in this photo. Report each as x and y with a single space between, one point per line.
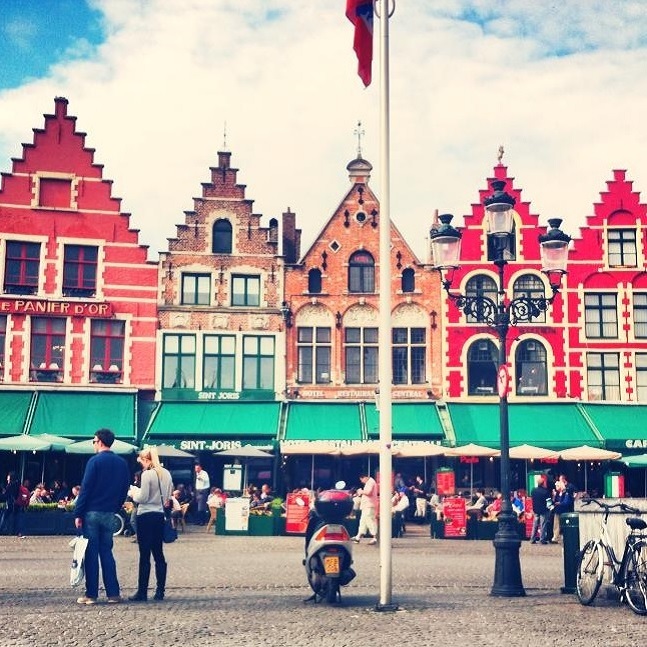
507 567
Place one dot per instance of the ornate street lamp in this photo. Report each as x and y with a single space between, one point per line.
500 315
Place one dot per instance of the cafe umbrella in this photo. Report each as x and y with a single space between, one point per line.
472 450
246 453
23 443
586 453
87 447
531 453
58 444
312 448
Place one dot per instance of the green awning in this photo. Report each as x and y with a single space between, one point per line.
413 420
202 420
75 414
323 421
622 426
548 425
15 407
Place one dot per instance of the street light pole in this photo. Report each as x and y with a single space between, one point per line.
500 315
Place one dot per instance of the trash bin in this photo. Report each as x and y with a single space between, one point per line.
571 535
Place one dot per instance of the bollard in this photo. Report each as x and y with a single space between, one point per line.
571 535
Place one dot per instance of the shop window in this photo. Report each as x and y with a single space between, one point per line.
80 271
47 355
107 351
22 265
245 290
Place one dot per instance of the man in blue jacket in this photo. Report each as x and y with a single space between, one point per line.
103 492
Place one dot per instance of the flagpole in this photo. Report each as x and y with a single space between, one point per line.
385 360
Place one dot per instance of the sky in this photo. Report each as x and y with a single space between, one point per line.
160 86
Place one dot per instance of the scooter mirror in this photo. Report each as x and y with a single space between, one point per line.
340 485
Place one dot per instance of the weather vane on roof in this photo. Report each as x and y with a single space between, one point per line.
359 131
224 137
500 154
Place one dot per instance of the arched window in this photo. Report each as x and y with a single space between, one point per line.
481 286
314 281
530 286
482 358
361 272
530 368
408 280
222 237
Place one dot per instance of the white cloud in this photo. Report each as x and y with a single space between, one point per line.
282 75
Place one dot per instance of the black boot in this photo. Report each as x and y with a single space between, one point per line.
160 576
142 582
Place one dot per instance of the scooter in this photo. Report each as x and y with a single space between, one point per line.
329 552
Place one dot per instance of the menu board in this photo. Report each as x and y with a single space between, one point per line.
297 507
237 514
445 482
455 517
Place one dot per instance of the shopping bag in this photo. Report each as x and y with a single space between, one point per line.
77 570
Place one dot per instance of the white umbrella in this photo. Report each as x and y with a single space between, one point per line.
168 451
470 450
87 447
586 453
531 453
312 447
418 449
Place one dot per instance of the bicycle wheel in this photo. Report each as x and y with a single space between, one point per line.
634 578
590 570
119 524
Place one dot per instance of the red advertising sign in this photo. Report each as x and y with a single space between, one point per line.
61 308
445 482
297 508
528 516
455 518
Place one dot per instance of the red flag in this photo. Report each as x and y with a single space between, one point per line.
360 13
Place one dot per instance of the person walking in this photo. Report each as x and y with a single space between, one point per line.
368 509
103 491
202 487
155 490
539 495
15 506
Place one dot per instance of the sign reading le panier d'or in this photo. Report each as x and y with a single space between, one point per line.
62 308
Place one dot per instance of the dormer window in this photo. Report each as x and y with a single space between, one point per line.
222 237
622 248
55 193
361 272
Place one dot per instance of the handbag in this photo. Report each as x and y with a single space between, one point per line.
169 534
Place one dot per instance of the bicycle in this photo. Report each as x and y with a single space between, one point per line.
628 575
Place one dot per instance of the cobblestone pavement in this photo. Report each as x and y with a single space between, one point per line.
249 591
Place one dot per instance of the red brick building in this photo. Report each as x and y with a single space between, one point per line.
536 351
77 297
333 292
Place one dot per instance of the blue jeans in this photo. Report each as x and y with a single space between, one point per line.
98 528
